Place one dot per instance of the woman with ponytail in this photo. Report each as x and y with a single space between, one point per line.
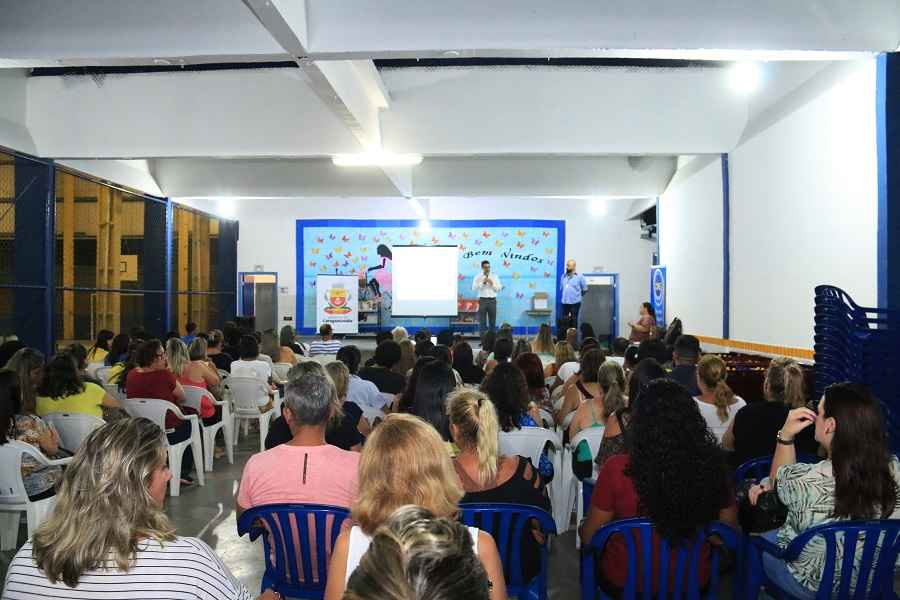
716 401
596 412
752 432
487 476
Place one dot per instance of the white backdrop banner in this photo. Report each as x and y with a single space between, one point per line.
337 302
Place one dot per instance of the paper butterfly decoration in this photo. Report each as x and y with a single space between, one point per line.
486 234
506 263
344 238
315 250
520 245
320 240
520 295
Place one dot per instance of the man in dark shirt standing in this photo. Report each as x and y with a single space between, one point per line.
684 360
387 354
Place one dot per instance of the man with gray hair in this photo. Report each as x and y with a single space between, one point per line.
305 469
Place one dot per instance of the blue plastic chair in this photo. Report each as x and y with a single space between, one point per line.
758 468
292 573
686 576
506 523
875 578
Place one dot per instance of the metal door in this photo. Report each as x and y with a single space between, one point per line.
265 306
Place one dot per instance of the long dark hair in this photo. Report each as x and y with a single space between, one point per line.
409 392
61 378
119 348
646 371
864 487
10 404
103 338
435 383
670 442
508 390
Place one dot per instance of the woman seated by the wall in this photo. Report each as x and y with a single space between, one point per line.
673 473
717 403
417 556
40 481
752 432
487 476
860 480
108 532
404 462
62 390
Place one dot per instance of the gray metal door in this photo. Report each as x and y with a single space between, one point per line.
597 309
265 306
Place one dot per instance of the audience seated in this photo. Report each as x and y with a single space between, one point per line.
655 349
530 365
572 337
108 532
487 347
40 481
232 339
486 475
287 338
584 386
62 390
387 354
279 431
521 346
464 364
271 347
345 430
586 331
150 377
435 382
407 357
305 469
859 480
360 392
98 352
542 345
445 338
424 349
616 432
716 401
507 389
119 353
753 429
191 333
78 353
398 334
383 336
597 411
503 349
327 345
8 348
404 462
563 353
673 473
250 365
28 365
214 352
685 356
416 556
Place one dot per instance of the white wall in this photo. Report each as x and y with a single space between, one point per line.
804 208
690 218
268 233
13 111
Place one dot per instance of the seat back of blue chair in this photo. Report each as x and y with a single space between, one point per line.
878 543
682 581
758 468
507 523
297 544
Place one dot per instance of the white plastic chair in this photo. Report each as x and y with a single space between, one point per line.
547 419
193 397
14 498
280 371
371 414
530 442
103 374
245 394
155 410
223 374
324 359
73 427
571 486
92 369
388 399
113 390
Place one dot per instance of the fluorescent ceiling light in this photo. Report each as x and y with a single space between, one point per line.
377 158
744 77
599 207
417 207
424 225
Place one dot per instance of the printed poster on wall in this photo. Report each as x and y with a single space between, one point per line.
525 254
337 303
658 294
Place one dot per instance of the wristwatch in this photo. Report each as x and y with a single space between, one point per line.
781 439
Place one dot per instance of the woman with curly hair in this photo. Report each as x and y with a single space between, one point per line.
673 473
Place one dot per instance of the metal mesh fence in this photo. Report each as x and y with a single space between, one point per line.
195 252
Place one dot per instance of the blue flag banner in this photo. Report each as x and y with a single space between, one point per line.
658 294
527 255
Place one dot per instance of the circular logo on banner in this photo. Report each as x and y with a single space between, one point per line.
659 287
337 298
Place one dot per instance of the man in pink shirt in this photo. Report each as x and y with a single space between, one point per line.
304 470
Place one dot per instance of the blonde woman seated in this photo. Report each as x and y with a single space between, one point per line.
716 401
417 556
542 345
488 476
596 412
404 462
108 536
563 353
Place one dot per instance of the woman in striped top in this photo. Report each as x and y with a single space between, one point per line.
108 535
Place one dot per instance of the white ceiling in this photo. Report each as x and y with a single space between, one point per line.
497 130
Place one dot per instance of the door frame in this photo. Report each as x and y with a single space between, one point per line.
240 296
614 319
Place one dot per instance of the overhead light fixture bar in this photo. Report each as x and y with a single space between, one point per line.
376 159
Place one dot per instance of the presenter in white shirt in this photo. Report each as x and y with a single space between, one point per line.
487 285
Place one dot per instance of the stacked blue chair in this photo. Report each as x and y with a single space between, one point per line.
874 572
860 344
507 522
686 578
298 570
